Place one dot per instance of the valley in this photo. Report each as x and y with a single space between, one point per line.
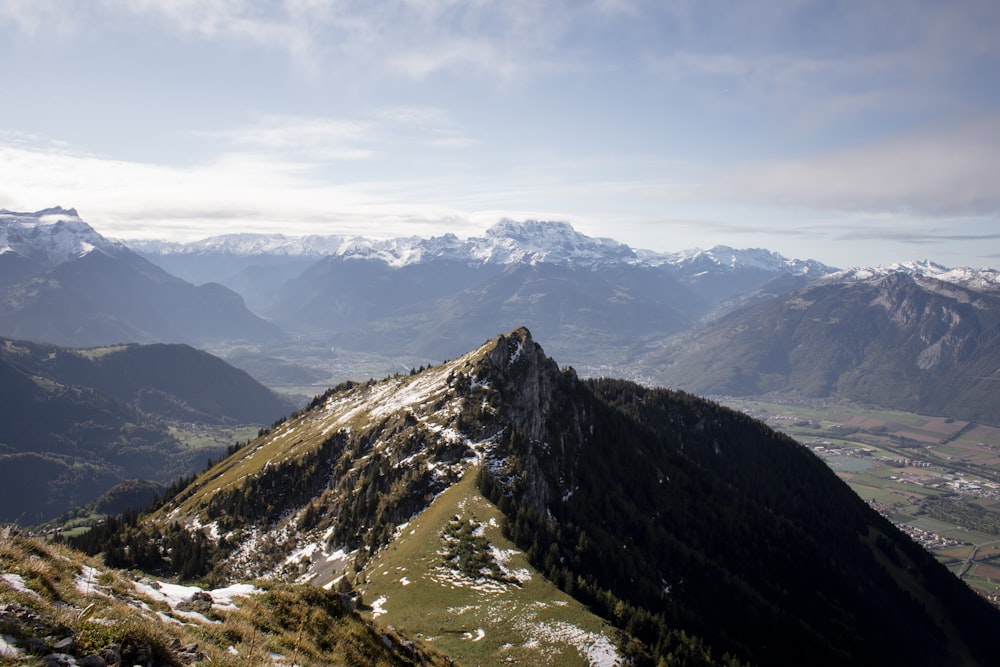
936 478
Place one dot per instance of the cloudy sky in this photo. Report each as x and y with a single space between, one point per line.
854 132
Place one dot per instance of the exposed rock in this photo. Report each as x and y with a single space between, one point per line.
200 602
59 660
36 646
65 645
112 655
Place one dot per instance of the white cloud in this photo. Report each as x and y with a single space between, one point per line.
246 191
309 137
349 38
36 18
949 172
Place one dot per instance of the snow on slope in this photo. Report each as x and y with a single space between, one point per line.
507 242
246 244
725 258
50 237
984 279
55 235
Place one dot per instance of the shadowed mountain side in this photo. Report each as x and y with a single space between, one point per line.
174 381
73 423
440 309
105 298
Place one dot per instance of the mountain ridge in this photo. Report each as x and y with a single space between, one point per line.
664 513
507 241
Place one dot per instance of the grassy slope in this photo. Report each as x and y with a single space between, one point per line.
49 592
478 622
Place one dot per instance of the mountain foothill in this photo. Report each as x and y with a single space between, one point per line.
609 519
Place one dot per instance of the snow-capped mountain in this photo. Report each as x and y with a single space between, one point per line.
506 242
534 241
245 244
726 259
586 295
50 237
985 279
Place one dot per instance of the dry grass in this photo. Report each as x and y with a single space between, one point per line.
66 594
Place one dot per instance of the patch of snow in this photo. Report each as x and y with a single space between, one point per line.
16 582
86 581
306 551
502 557
7 648
175 594
453 578
223 597
598 650
480 633
377 607
168 619
404 581
461 610
516 354
339 554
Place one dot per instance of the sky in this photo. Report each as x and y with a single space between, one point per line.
855 132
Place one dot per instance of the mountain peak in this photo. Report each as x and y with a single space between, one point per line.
508 228
534 241
50 236
507 348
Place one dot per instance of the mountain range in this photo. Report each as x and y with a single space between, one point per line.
504 509
595 300
76 422
61 282
231 259
917 336
330 308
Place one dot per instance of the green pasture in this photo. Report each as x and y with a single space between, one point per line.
476 622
